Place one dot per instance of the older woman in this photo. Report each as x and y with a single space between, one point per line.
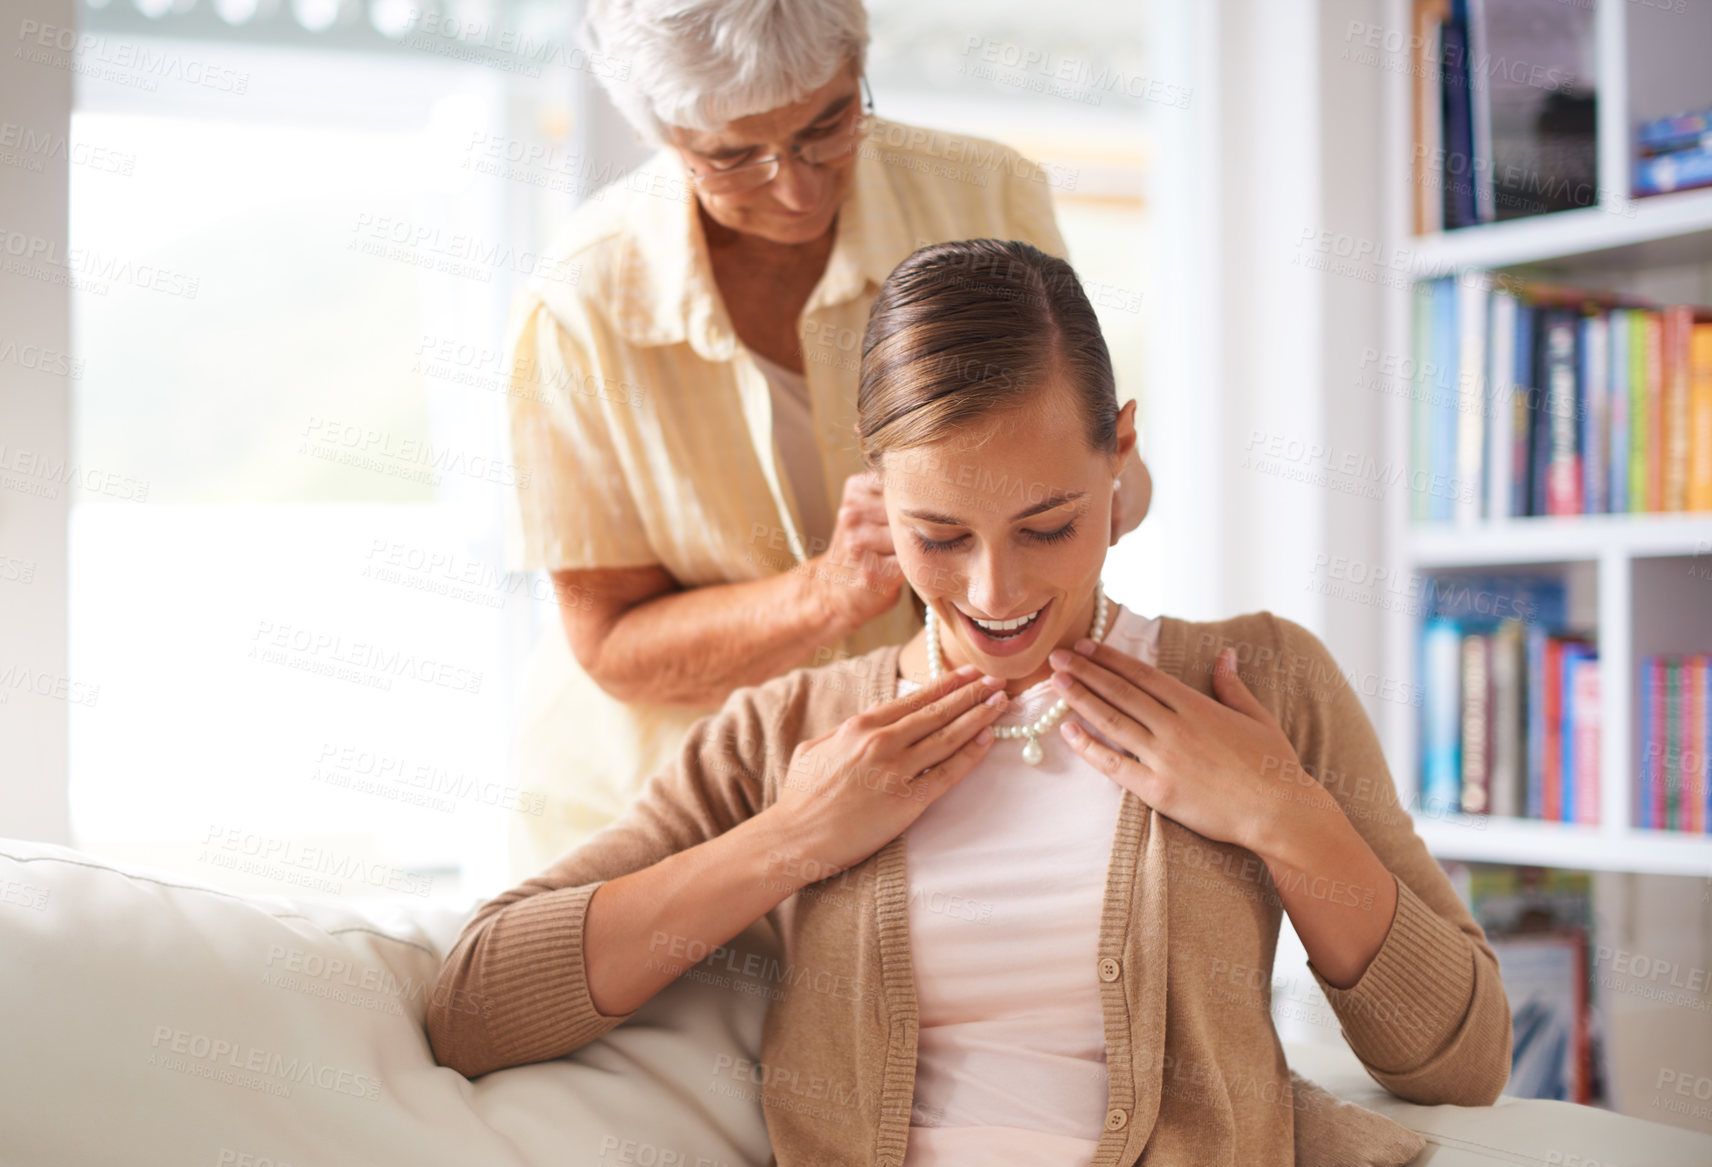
686 406
1128 804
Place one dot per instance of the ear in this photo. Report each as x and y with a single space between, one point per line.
1126 437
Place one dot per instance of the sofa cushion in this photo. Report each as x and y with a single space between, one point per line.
152 1019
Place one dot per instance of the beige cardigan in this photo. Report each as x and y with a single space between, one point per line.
1196 1071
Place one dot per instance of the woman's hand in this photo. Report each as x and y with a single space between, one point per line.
1223 768
857 577
854 789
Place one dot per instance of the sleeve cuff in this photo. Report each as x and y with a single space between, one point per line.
551 1010
1413 995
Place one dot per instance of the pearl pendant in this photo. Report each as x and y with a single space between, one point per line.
1032 753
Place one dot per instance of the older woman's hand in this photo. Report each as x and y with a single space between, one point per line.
1223 768
857 578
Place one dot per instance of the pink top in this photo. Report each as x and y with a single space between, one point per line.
1007 874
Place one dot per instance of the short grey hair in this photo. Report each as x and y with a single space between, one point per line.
698 64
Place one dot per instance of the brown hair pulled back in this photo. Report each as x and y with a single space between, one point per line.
960 330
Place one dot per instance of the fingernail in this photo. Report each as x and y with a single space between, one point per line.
998 699
965 670
1063 681
1058 658
1072 730
1085 646
985 736
995 682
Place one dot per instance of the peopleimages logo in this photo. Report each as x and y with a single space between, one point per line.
247 1065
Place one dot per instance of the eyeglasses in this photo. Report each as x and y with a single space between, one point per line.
837 143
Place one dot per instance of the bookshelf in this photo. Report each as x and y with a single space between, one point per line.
1644 582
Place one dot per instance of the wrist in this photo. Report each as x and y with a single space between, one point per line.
1301 836
826 619
785 854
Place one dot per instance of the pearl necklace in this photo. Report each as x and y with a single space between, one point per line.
1031 751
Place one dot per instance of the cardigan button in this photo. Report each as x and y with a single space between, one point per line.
1110 969
1115 1120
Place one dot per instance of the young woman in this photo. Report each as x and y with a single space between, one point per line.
1042 849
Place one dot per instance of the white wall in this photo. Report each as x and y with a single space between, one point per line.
1254 346
35 424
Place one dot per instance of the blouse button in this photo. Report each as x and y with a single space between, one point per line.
1109 970
1115 1120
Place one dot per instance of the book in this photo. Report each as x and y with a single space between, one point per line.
1679 170
1676 337
1649 799
1704 732
1457 171
1675 786
1551 765
1617 480
1694 743
1540 423
1524 410
1582 772
1667 135
1429 16
1640 424
1441 762
1535 638
1653 373
1476 747
1423 417
1482 601
1473 300
1670 772
1700 417
1509 757
1501 417
1480 76
1595 414
1443 440
1545 980
1563 468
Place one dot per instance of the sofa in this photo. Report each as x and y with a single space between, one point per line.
151 1019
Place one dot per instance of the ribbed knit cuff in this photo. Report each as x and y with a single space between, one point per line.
1413 995
547 1011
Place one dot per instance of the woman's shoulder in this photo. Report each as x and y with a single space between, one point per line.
607 251
1280 660
1260 638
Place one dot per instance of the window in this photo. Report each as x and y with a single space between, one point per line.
287 564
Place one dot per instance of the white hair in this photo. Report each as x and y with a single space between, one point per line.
698 64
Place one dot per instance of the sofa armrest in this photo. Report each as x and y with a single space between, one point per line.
1511 1131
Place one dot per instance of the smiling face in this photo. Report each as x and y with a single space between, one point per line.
1003 529
799 204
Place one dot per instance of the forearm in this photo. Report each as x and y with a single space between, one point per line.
695 646
1340 896
643 930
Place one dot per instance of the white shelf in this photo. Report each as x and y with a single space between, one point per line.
1477 838
1557 540
1568 234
